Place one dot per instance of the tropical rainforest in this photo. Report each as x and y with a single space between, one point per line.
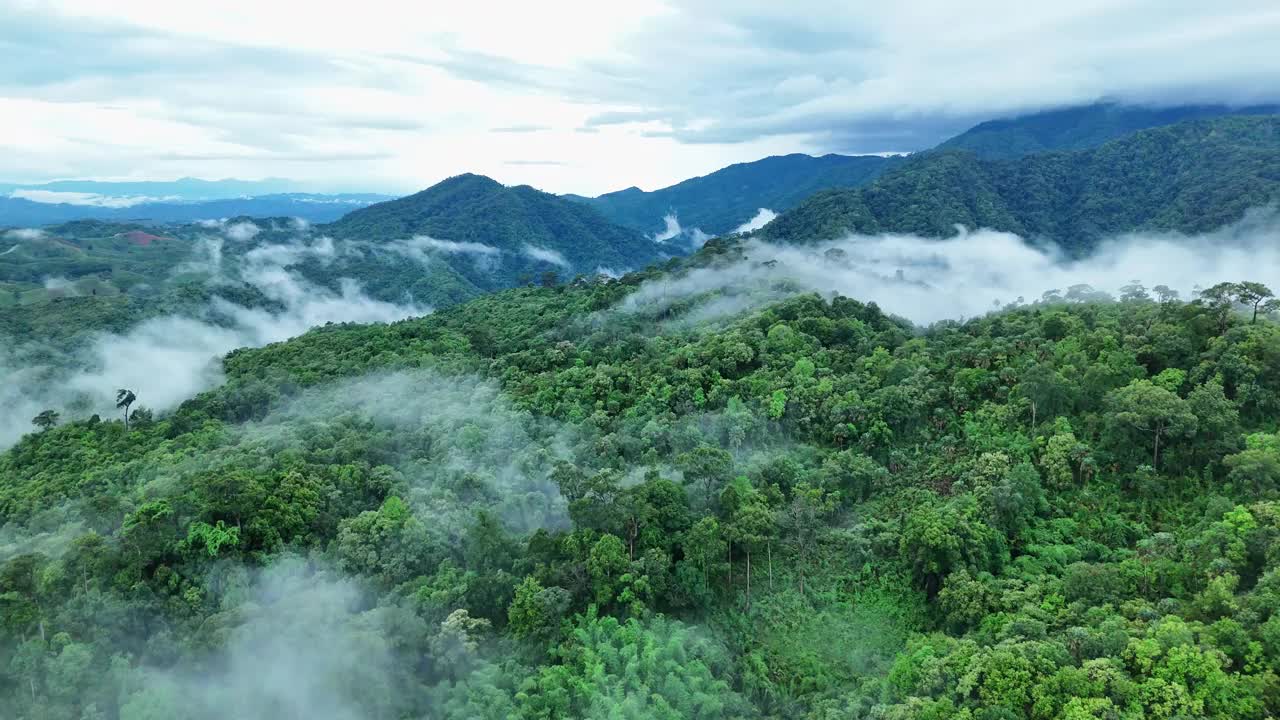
649 496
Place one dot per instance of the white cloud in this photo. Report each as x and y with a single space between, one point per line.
343 99
25 234
671 230
762 217
56 197
171 358
241 231
674 230
60 285
449 247
970 274
546 255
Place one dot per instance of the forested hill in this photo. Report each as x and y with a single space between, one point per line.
1191 177
522 230
722 201
1079 128
558 502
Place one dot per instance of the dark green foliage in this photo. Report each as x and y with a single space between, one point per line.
920 543
727 198
1078 128
1190 177
541 504
475 209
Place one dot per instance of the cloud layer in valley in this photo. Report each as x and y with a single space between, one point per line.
170 358
969 274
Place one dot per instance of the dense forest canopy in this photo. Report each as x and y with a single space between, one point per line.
556 502
256 468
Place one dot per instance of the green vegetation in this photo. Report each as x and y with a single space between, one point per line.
1079 128
539 504
475 209
1190 177
725 199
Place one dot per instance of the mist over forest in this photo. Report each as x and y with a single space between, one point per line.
927 367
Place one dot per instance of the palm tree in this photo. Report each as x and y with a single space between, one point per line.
125 398
46 419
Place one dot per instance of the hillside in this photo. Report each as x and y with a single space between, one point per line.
495 235
553 500
1079 128
1190 177
720 202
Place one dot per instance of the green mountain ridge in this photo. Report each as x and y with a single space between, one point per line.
1190 177
727 198
1080 127
514 221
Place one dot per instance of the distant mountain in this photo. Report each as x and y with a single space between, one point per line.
721 202
21 212
182 189
1079 128
497 236
1193 176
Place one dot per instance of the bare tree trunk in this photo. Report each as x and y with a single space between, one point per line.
769 550
706 571
1155 458
731 567
748 579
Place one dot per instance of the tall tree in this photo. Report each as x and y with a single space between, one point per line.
1148 408
1255 295
46 419
124 399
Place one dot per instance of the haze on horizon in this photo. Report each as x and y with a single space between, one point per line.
573 96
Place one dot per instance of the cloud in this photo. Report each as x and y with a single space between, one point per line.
84 198
861 78
967 275
537 163
545 255
60 285
301 644
25 234
169 359
520 128
674 230
762 217
241 231
423 249
116 89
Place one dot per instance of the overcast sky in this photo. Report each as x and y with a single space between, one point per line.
573 96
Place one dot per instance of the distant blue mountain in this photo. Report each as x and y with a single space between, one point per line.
182 189
19 212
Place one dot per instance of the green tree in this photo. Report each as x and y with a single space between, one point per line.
1153 411
124 399
46 419
800 525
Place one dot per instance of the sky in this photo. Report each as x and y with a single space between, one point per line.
569 95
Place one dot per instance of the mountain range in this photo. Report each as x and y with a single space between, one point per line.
1192 176
24 212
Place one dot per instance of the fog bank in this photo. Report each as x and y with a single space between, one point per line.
970 273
